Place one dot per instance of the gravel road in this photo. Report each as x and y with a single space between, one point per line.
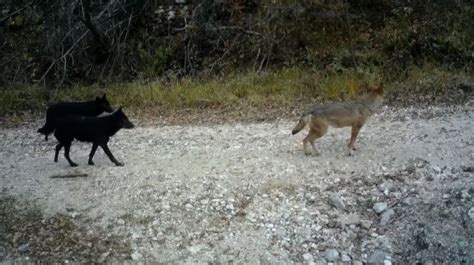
246 193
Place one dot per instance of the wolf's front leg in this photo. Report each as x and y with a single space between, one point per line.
110 155
91 155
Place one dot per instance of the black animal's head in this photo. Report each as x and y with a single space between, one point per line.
103 104
123 120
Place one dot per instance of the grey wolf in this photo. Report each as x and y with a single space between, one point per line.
340 114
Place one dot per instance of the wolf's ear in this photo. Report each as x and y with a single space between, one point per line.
103 97
120 108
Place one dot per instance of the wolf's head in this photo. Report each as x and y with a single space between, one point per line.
375 95
103 104
122 119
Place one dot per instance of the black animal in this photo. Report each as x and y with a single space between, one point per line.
96 130
61 109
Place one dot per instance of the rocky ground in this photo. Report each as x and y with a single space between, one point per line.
245 193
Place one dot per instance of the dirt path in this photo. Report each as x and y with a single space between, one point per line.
245 193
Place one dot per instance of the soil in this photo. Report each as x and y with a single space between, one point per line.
245 193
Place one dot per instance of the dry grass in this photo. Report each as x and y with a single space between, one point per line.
282 88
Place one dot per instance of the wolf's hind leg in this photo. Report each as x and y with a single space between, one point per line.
316 131
355 131
58 148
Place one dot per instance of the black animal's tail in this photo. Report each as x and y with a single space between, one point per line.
46 130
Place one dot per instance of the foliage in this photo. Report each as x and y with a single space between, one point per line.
86 42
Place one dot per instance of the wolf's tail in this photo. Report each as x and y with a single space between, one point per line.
47 129
301 124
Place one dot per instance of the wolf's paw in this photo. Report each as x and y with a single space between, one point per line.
74 165
119 164
307 153
90 163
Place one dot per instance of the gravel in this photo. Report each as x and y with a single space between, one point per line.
246 193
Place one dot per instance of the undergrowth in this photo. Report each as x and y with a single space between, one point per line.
283 88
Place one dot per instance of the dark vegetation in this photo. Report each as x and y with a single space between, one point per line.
57 44
27 232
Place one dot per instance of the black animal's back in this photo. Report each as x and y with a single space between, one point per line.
96 130
62 109
88 108
86 129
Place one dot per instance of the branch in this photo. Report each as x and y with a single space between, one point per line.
3 20
86 19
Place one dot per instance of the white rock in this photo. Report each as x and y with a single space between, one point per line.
471 213
386 216
308 258
345 258
196 248
331 254
377 258
380 207
336 201
365 224
24 248
136 256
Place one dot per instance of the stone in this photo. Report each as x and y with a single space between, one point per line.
379 207
331 254
471 213
345 258
308 258
365 224
136 256
195 249
377 258
387 216
337 202
24 248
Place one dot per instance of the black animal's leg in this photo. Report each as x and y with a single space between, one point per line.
67 147
91 155
58 148
109 154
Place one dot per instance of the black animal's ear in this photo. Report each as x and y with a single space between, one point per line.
103 97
